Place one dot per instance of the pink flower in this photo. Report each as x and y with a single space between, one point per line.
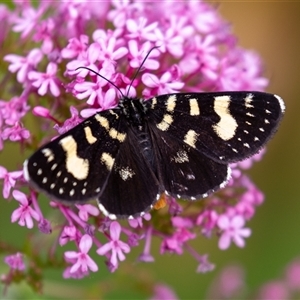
146 255
292 275
163 292
182 224
168 40
175 243
41 111
43 33
139 29
15 261
23 64
25 212
230 284
116 246
86 210
91 90
232 230
82 261
45 226
207 220
28 21
110 51
69 233
69 123
12 111
138 222
204 264
123 9
9 180
45 81
164 85
171 245
274 290
16 133
103 102
138 55
87 59
76 47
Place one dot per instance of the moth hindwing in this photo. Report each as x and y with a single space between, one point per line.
178 144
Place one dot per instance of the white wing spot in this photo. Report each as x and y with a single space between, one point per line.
49 154
248 100
39 172
75 165
53 167
58 174
165 123
154 102
114 114
194 107
191 138
226 127
65 179
61 191
267 121
103 122
261 129
52 185
246 145
45 180
83 191
181 157
89 135
126 173
107 159
113 133
171 103
72 192
190 177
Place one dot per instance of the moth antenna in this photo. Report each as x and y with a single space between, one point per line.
140 67
93 71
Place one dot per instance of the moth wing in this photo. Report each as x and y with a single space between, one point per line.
75 166
225 126
132 187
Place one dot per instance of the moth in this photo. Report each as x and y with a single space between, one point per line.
178 144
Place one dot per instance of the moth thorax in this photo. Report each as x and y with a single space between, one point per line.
134 110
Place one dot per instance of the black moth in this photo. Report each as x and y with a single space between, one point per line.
177 144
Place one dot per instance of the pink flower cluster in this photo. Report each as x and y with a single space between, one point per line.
231 283
197 52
